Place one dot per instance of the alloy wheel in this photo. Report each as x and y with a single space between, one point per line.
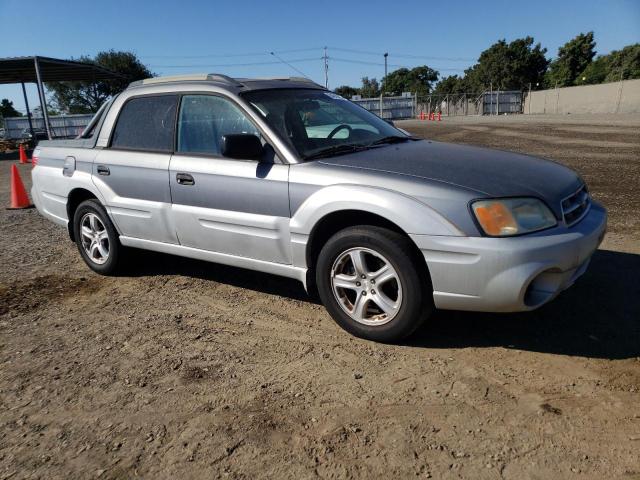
366 286
95 238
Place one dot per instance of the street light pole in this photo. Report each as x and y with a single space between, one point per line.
385 64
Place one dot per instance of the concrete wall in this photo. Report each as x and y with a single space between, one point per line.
616 97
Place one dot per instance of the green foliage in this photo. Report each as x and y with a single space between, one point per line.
7 109
418 79
623 64
346 91
87 97
508 66
514 66
452 84
596 72
618 65
573 58
370 88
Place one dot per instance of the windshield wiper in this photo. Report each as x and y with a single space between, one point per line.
337 150
391 139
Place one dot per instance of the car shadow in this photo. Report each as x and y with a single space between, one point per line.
599 317
142 263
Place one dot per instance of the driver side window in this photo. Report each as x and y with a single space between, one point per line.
203 121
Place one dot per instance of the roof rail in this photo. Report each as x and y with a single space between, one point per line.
215 77
222 78
187 78
302 79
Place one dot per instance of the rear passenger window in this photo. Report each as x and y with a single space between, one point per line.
146 123
205 119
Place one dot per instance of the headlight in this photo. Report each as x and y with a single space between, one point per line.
512 216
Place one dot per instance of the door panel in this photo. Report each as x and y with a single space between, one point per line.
235 207
135 186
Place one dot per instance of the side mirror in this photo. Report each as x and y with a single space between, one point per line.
244 146
390 122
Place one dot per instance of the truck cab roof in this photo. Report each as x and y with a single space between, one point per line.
236 85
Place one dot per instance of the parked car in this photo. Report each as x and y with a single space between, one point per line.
286 177
38 134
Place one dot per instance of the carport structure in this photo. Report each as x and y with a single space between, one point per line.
39 70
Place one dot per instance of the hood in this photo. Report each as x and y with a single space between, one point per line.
492 173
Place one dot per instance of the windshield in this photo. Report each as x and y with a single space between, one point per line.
320 123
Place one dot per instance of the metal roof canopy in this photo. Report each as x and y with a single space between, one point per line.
44 69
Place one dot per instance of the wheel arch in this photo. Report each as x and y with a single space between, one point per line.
338 220
338 206
74 199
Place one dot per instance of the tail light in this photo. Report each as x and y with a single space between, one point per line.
34 158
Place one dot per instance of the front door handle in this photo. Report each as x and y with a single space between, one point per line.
184 179
102 170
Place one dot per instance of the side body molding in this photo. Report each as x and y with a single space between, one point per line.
409 214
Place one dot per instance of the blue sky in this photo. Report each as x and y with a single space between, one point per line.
184 36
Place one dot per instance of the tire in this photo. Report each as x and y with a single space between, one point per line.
102 238
388 311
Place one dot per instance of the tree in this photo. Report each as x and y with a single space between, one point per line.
346 91
618 65
508 66
370 87
417 80
7 109
87 97
573 58
37 111
452 84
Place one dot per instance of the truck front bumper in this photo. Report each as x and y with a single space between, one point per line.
510 274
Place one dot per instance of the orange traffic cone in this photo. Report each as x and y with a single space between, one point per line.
19 197
439 116
23 154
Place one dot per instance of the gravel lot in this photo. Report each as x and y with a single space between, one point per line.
183 369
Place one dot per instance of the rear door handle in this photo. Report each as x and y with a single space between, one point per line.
102 170
184 179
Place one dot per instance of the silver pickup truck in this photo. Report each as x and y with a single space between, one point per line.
286 177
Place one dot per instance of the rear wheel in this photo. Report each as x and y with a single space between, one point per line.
369 280
96 237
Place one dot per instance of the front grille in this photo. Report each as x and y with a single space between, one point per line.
575 206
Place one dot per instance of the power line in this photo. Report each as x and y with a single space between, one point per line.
403 55
234 55
365 62
290 66
309 49
249 64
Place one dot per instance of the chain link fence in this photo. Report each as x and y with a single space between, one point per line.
62 126
410 105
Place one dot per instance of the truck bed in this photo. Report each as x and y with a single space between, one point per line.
68 143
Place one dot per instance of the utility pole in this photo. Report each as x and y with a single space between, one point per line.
385 65
383 85
326 68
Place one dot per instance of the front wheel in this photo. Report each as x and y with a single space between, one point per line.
370 281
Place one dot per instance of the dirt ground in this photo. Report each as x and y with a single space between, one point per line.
183 369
